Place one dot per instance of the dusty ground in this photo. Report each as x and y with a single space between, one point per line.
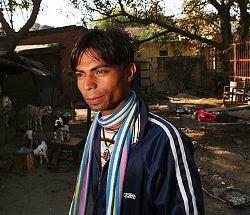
222 156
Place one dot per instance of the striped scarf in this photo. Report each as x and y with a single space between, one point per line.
118 161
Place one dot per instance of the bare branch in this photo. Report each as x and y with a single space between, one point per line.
8 30
171 28
139 42
12 38
25 29
121 6
211 22
217 5
144 13
230 3
100 11
106 17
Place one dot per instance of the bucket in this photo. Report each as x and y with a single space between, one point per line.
24 161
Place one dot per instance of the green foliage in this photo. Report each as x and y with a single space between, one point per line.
12 5
210 22
13 8
10 9
200 17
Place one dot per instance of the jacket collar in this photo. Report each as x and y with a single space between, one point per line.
143 112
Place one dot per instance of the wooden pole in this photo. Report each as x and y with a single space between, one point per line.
235 61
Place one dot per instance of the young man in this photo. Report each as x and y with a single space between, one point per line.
134 162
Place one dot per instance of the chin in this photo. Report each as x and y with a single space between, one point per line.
93 108
96 108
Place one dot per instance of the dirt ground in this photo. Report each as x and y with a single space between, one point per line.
222 157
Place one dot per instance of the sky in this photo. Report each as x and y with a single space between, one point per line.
58 13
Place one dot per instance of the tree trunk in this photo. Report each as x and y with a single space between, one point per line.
12 38
9 44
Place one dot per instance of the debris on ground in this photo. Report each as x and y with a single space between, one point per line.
235 197
221 155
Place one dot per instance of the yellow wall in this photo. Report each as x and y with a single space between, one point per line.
175 48
150 52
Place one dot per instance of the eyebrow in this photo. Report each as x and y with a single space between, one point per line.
104 65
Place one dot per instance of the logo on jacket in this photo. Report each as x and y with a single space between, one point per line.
129 196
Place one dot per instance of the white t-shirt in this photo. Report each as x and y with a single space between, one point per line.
108 138
107 144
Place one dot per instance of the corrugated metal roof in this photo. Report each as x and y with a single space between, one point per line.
14 64
21 48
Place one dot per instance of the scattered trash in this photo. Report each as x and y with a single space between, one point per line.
195 144
24 150
235 197
238 141
184 110
203 116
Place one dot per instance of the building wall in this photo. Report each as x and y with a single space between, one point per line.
173 48
174 66
66 37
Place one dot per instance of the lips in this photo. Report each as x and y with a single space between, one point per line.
94 100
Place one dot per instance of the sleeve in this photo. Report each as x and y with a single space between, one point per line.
174 185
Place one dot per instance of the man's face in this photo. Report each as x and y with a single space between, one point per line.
104 87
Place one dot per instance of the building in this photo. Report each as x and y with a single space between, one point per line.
169 67
52 47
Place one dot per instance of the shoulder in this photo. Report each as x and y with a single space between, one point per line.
166 133
160 125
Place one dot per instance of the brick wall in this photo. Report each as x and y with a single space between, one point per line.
66 37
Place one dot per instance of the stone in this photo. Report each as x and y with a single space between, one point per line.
203 172
238 141
218 192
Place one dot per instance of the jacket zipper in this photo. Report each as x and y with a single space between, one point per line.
100 175
99 183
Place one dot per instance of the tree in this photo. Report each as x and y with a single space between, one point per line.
12 37
211 22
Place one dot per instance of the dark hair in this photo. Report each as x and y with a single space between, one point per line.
115 47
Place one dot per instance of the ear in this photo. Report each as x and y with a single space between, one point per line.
130 72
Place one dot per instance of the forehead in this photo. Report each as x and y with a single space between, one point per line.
89 57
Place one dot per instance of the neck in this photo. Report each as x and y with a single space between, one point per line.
114 119
109 112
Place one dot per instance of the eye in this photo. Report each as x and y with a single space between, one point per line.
80 75
100 72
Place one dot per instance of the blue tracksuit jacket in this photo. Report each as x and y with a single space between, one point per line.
161 176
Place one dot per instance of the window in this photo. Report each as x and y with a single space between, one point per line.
164 53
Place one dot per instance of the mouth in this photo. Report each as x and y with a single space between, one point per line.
94 100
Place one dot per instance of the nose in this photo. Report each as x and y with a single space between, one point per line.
89 83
